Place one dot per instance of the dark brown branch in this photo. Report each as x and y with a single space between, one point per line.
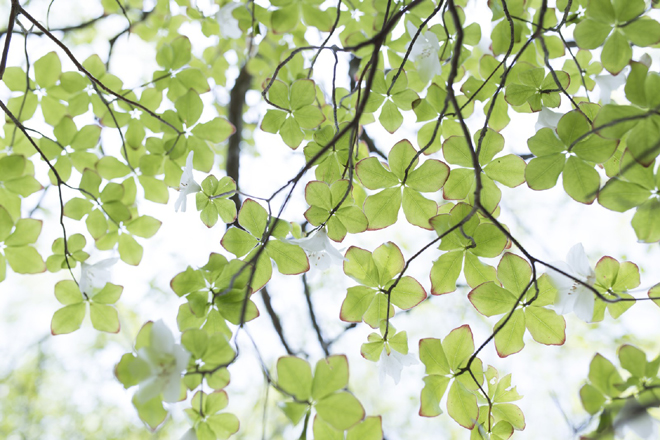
312 316
235 116
15 7
275 319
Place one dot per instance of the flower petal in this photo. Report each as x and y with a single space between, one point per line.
578 261
565 301
547 119
149 388
584 303
162 340
412 29
180 202
172 388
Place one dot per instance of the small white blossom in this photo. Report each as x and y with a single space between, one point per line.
228 24
94 277
391 365
424 53
547 119
608 84
166 361
187 185
634 417
571 295
320 251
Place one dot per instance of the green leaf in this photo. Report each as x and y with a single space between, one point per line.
390 117
278 93
294 376
508 170
462 405
646 221
47 69
633 359
408 293
216 130
144 226
388 260
581 181
459 346
67 319
643 32
330 375
509 339
359 265
590 34
402 157
445 272
291 133
619 195
340 410
490 241
151 412
323 431
104 317
26 232
109 294
418 209
604 376
369 429
616 53
285 19
357 301
130 251
434 388
373 175
382 209
290 258
429 177
476 272
253 217
433 356
12 167
510 413
490 299
545 326
67 292
273 121
459 184
592 399
24 259
303 92
196 342
238 242
223 425
308 117
189 107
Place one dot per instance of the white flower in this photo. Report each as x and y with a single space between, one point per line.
392 364
94 277
547 119
187 185
228 24
189 435
608 84
424 53
166 361
634 417
320 251
571 295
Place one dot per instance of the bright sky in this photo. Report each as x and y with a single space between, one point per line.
547 223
